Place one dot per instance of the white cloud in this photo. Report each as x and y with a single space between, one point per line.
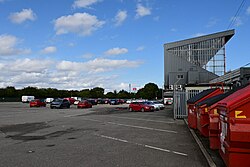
84 3
142 11
8 46
96 65
120 17
116 51
79 23
140 48
198 34
62 74
248 11
88 56
49 49
30 65
236 21
20 17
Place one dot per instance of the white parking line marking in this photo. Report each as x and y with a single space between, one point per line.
179 153
146 146
140 119
132 126
113 138
151 115
66 116
142 127
156 148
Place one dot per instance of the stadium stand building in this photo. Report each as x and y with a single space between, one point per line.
195 61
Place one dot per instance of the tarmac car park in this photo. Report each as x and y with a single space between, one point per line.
105 135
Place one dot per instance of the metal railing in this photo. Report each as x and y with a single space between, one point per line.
180 102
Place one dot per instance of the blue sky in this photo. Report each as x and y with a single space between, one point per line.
79 44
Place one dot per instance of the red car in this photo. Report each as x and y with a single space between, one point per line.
84 104
71 100
37 103
140 106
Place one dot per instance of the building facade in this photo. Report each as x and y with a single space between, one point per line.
196 60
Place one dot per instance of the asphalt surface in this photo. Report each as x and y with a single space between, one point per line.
104 136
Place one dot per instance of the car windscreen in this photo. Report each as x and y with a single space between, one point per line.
57 100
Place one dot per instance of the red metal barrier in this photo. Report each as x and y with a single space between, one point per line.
214 140
234 123
192 109
203 115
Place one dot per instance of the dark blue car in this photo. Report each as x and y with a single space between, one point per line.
60 103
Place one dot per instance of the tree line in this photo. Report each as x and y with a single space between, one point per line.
149 91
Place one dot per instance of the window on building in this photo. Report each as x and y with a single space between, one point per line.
180 76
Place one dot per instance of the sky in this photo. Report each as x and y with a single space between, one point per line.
82 44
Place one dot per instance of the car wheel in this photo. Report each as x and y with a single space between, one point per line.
142 109
130 109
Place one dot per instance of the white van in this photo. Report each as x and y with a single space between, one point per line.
49 100
27 99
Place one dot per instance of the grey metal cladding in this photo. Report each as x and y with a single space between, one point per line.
228 34
192 58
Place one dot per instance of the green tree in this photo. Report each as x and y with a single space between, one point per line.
150 91
84 93
97 92
123 94
10 91
110 95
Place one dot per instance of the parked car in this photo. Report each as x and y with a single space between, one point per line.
71 100
27 99
49 100
84 104
37 103
93 101
157 105
60 103
106 101
76 102
140 106
129 101
168 100
114 102
151 103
